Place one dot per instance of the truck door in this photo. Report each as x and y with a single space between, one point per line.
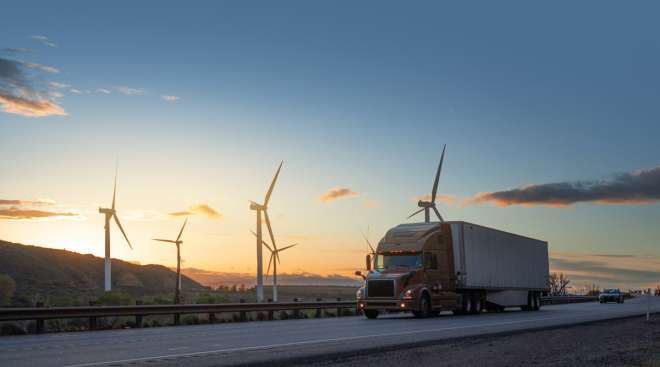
440 271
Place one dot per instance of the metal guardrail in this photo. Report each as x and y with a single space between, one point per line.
139 311
555 300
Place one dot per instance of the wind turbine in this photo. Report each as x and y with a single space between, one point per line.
263 208
426 206
111 213
178 242
274 259
371 254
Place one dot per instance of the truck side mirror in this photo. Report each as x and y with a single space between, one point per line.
359 274
368 259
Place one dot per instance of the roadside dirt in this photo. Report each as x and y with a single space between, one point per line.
628 342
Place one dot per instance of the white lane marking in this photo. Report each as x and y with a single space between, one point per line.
271 346
177 348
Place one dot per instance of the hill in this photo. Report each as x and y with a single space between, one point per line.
44 273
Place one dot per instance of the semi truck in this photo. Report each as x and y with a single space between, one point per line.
427 268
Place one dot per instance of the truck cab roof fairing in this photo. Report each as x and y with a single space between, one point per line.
407 237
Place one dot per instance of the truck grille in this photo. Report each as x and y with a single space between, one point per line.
380 288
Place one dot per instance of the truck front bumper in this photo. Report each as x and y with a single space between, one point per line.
387 305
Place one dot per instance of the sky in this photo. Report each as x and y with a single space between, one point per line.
549 112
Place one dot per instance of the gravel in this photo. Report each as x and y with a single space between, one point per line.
623 342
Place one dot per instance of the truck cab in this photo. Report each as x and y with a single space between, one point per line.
411 272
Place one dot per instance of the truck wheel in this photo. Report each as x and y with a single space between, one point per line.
424 308
476 303
467 303
371 314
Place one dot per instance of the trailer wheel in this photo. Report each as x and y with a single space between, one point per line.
371 314
537 301
476 303
530 303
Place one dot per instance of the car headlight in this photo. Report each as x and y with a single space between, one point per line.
360 293
408 294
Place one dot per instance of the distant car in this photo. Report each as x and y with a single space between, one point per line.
611 295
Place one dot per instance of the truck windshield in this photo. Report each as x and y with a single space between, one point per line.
390 261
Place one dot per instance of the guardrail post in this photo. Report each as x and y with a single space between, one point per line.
40 322
318 310
338 308
212 318
92 320
242 313
270 313
296 312
177 319
138 318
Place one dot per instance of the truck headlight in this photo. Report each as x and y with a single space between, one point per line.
408 294
360 293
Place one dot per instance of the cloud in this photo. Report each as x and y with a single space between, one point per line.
15 213
46 68
337 193
19 95
58 85
16 50
608 270
76 91
44 40
369 203
102 90
27 202
200 209
30 108
128 91
170 98
636 187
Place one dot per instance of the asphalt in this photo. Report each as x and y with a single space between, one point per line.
281 342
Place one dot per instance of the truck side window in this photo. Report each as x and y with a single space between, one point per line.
430 261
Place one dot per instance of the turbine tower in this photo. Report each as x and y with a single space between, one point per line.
274 259
178 242
109 214
263 208
426 206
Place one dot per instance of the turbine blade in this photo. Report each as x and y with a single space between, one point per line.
263 242
438 213
270 261
162 240
182 227
369 242
270 230
114 190
122 230
437 176
272 184
415 213
284 248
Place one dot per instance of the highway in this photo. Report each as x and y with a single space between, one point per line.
279 341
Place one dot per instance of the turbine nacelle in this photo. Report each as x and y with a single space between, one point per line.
257 206
425 204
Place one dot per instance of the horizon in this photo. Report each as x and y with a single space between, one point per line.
551 132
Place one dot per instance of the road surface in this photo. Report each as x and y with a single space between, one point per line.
279 341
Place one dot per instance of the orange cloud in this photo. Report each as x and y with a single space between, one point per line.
15 213
200 209
337 193
27 107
